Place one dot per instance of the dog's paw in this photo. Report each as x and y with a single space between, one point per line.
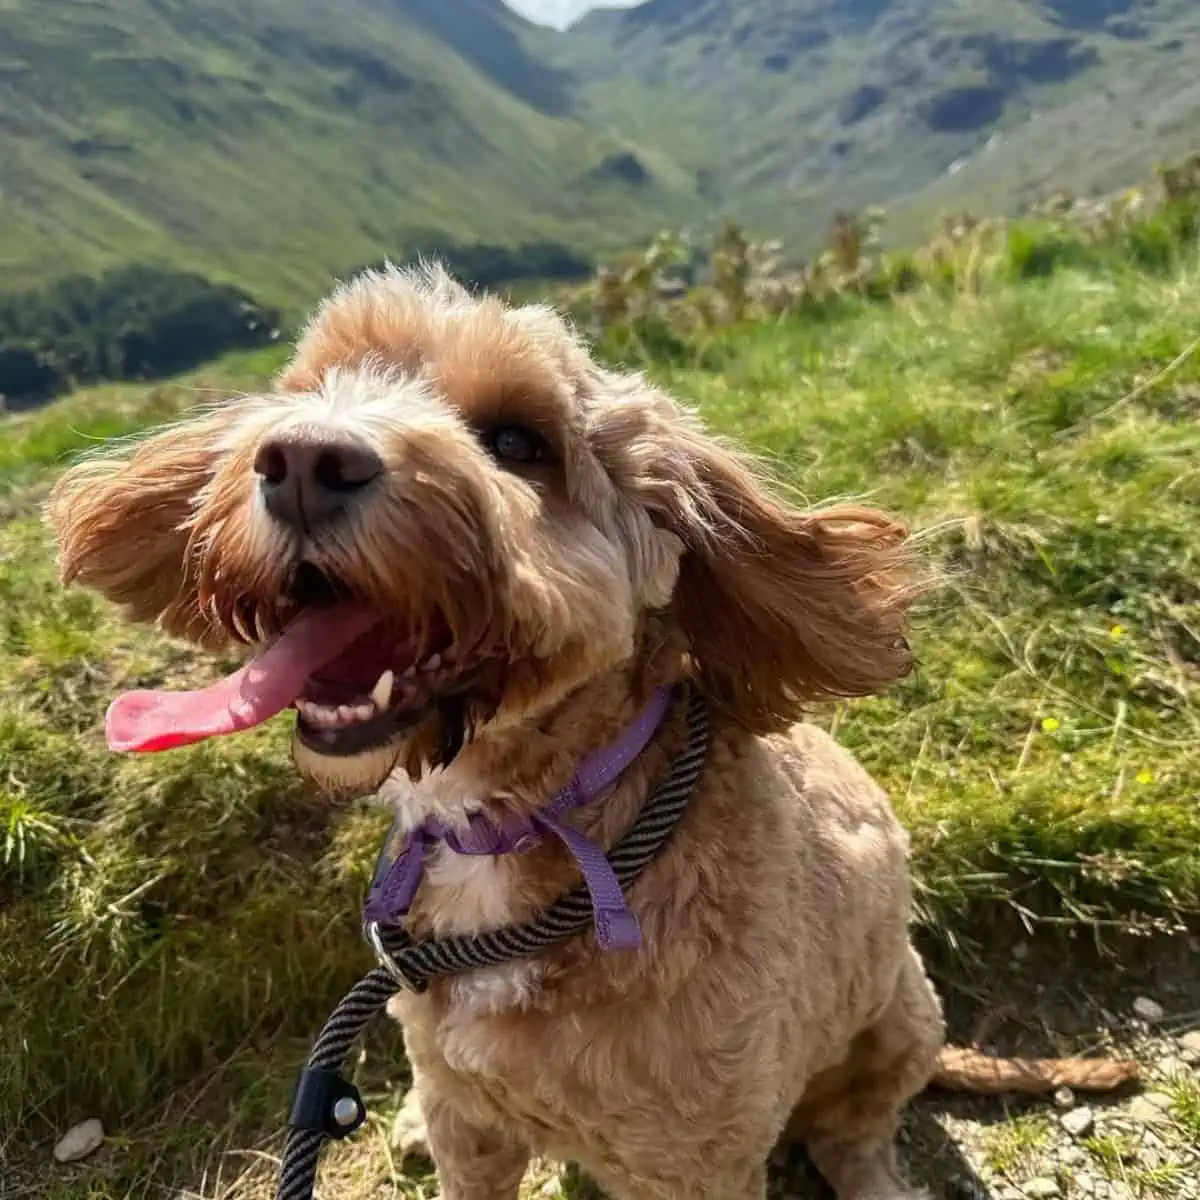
409 1138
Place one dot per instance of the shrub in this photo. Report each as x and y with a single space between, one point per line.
487 265
680 287
136 322
26 375
1039 249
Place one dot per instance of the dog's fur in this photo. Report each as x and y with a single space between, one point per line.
777 990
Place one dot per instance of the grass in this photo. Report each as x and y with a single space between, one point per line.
1012 1146
174 930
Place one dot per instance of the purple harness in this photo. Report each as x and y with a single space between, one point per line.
397 876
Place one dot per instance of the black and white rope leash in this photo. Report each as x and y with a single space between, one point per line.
329 1106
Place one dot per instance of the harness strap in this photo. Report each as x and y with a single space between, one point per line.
410 965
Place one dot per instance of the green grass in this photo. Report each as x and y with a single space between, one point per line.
1012 1145
173 930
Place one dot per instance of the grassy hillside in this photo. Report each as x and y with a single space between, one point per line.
788 110
173 930
279 142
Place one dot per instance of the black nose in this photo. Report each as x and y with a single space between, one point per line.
309 475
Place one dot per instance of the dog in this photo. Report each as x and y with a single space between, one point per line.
471 557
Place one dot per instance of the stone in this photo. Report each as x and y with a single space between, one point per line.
1042 1188
1064 1098
1172 1067
1148 1109
1189 1048
1070 1155
1149 1158
1085 1183
1149 1010
1079 1121
79 1141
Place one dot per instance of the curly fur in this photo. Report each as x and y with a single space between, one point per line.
777 990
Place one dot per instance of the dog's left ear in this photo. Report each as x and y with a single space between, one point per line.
779 606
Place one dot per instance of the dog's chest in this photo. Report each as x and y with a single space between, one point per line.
514 1070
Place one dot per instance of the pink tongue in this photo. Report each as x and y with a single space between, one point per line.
146 722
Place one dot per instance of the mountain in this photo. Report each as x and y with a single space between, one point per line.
274 142
787 110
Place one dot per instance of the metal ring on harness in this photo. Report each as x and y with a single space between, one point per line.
387 962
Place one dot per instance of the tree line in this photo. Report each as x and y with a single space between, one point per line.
489 265
136 322
147 322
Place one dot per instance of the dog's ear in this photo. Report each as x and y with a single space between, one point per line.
123 524
780 606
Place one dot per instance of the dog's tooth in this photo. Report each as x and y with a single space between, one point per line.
432 663
239 624
320 715
345 714
264 626
364 712
381 693
410 671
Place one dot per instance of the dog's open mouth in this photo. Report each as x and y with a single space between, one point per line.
379 686
354 678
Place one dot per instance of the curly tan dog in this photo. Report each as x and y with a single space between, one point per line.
487 555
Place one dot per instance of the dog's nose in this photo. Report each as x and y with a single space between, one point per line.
309 475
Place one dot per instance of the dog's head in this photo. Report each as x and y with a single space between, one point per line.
453 507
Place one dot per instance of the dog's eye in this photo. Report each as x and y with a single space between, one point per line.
515 444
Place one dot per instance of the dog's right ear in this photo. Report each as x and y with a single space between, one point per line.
123 524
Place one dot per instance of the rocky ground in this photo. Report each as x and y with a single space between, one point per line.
1140 1146
1141 1003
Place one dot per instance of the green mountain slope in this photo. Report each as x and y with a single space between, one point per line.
789 109
277 141
274 143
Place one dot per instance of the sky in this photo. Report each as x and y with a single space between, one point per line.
562 12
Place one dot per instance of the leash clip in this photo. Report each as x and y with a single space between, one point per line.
388 962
